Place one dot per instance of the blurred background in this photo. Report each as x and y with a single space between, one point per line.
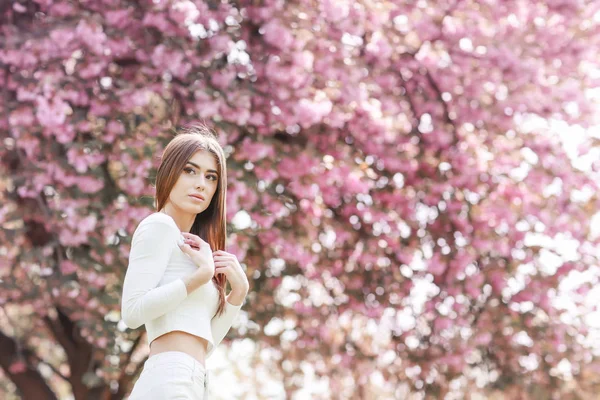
413 189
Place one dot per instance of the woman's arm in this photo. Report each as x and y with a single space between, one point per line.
220 325
151 248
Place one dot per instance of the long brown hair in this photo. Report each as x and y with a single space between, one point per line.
210 225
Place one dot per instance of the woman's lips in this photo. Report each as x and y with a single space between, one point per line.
197 198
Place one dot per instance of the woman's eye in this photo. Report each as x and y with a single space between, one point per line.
190 170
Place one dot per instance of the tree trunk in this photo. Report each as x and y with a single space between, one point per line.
30 383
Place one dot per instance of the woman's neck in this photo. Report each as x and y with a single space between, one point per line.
184 221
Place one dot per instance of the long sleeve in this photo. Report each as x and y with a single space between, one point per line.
151 248
220 325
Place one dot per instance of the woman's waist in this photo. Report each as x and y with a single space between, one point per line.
193 345
195 325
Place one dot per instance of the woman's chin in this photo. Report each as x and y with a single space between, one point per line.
196 209
193 208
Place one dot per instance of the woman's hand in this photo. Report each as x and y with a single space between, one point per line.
228 264
200 253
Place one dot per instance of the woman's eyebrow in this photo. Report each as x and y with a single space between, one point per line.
197 166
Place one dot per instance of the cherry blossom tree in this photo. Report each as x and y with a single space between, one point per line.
404 206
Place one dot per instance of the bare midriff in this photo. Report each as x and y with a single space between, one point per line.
193 345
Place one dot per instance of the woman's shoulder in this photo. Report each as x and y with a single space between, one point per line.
160 220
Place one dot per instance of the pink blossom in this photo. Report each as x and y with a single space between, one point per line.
118 18
312 112
51 112
62 37
19 8
220 43
277 35
91 70
436 266
92 35
68 267
442 323
158 21
89 184
99 108
22 116
336 11
254 151
17 367
379 46
483 339
221 79
497 281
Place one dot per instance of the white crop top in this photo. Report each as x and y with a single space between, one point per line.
154 293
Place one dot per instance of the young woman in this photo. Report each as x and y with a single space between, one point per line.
175 281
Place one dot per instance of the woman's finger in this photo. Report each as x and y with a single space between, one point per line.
193 237
221 270
221 264
192 243
195 240
223 256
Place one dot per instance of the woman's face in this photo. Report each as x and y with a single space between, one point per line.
198 178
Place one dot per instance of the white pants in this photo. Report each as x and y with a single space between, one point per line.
171 375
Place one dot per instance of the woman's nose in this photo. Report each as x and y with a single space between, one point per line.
201 182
